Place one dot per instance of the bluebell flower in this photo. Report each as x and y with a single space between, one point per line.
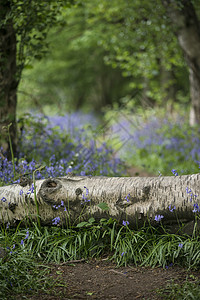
22 242
196 208
3 199
87 191
123 253
158 218
31 190
188 191
125 223
172 208
56 221
170 265
127 197
175 172
27 234
180 245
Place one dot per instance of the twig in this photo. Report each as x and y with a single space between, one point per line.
70 262
117 272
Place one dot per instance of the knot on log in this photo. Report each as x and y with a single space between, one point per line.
48 190
12 206
78 191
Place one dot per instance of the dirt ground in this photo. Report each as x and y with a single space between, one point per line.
101 279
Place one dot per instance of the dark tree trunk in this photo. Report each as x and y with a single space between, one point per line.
183 16
8 79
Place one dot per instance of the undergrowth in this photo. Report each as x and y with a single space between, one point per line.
156 140
30 249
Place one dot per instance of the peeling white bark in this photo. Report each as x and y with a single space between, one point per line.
67 197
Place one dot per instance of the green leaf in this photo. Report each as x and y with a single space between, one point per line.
82 224
104 206
91 220
28 67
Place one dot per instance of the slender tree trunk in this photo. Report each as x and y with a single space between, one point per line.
187 27
168 88
73 199
8 78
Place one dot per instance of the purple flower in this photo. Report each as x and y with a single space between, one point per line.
170 265
22 242
21 192
180 245
3 199
158 218
87 191
175 172
56 221
27 235
172 208
123 253
127 197
188 191
196 208
125 223
31 190
84 197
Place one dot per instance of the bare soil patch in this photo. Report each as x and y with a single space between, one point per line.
101 279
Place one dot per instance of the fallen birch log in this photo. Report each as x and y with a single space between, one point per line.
73 199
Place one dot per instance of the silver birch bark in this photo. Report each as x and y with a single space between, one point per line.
187 28
74 198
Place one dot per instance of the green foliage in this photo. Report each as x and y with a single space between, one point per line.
139 39
114 49
23 273
75 74
31 21
103 206
147 246
189 290
20 274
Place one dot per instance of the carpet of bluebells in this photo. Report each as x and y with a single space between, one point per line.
62 144
71 143
158 143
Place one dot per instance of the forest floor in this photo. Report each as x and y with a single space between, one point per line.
102 280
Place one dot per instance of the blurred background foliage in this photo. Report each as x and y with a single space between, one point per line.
105 51
118 62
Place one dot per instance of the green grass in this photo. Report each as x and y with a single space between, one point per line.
189 290
24 270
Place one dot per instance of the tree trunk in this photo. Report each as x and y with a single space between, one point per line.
8 78
74 198
183 16
168 88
